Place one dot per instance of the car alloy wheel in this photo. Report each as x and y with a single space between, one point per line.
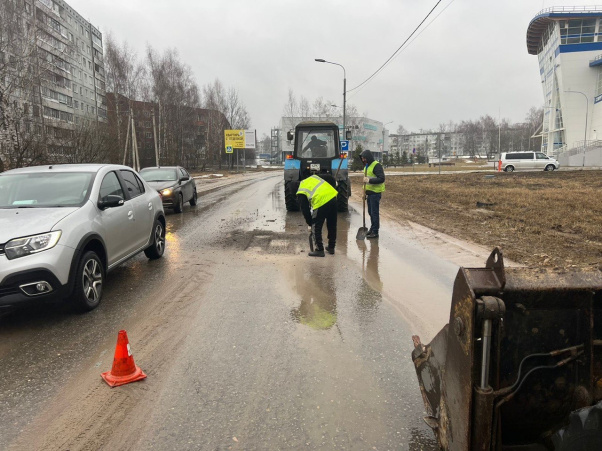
157 247
92 281
550 167
89 282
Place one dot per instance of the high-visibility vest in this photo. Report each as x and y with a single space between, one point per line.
317 190
369 172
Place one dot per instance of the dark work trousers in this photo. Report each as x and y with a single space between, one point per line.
373 201
328 213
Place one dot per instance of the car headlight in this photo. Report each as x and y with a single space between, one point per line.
20 247
166 192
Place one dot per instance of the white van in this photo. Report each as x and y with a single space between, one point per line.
513 161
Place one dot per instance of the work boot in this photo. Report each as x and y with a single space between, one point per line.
372 235
330 250
317 253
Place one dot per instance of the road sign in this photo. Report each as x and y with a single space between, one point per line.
229 149
239 139
344 146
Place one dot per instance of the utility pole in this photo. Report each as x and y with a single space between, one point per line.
439 154
155 138
127 139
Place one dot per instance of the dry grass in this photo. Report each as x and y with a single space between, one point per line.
537 218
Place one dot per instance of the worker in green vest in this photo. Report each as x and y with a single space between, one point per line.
317 198
374 184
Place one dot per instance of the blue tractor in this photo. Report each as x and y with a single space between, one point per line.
316 150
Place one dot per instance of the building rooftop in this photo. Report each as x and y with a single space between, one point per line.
540 22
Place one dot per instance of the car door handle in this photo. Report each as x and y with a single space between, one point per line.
130 214
150 205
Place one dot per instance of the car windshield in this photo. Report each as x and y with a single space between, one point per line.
159 175
316 144
44 190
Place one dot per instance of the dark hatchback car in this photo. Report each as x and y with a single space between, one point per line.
174 184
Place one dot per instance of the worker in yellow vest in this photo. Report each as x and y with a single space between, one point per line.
317 198
374 183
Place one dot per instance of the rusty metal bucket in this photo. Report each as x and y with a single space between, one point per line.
521 352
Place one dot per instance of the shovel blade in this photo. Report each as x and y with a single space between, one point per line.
361 233
311 241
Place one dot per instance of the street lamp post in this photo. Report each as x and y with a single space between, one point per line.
586 111
320 60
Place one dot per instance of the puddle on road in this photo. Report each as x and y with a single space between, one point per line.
417 283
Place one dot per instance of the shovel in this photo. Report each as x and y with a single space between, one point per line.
311 239
362 231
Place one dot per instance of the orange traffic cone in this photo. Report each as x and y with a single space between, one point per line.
499 166
124 369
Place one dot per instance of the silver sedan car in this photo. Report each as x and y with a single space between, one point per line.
63 227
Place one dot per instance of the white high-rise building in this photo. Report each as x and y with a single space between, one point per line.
568 45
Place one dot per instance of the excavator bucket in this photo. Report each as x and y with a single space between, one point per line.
519 365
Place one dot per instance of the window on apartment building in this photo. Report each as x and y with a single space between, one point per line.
81 30
90 65
576 31
81 91
76 104
148 135
146 113
147 124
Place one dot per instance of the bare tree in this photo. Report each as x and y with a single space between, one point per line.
171 86
236 113
125 78
22 68
291 111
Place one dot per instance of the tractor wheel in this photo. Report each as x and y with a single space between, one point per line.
290 198
343 197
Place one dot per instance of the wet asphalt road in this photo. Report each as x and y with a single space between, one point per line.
247 342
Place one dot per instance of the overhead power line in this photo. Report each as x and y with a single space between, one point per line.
396 51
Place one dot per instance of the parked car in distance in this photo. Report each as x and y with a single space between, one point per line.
174 184
513 161
63 227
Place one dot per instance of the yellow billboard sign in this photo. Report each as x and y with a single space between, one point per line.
239 139
235 139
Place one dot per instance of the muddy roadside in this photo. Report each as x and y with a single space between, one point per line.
539 219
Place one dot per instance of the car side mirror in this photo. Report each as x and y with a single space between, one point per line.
110 201
289 135
348 135
184 179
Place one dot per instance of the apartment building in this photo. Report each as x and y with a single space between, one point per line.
59 58
191 141
568 43
74 46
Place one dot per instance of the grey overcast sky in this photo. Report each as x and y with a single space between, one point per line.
470 60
